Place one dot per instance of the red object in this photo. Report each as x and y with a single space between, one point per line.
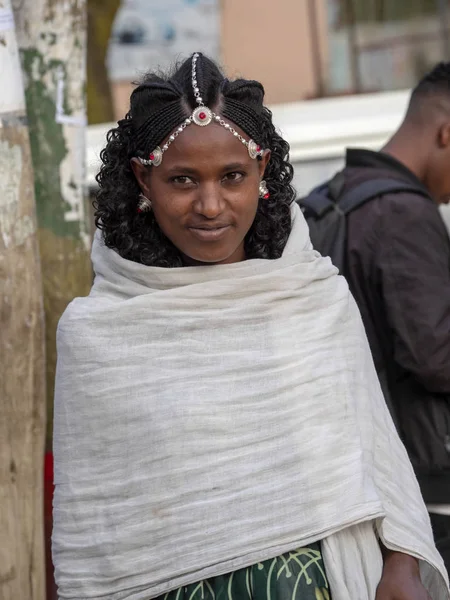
139 210
48 525
258 148
152 156
266 196
202 116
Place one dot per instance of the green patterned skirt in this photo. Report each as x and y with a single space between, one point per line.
296 575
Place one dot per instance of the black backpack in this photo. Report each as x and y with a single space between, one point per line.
326 209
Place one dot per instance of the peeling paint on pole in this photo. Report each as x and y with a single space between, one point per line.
11 98
52 41
15 228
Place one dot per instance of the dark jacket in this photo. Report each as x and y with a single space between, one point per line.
398 269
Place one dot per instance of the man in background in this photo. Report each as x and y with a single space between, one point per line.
398 269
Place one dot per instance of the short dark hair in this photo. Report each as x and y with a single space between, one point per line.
157 106
435 83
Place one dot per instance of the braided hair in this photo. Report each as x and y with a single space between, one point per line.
158 105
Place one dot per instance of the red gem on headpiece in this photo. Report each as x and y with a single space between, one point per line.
152 156
202 116
266 196
258 148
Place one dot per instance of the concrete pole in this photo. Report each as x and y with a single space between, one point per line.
52 41
22 361
316 51
353 47
443 16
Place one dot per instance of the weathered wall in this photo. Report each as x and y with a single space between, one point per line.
273 42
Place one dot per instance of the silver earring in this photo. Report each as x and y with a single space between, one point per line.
144 204
263 191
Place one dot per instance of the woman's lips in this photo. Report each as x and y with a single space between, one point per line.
209 234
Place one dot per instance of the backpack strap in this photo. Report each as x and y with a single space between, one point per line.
317 201
373 188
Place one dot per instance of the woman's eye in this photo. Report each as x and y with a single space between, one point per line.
235 176
182 180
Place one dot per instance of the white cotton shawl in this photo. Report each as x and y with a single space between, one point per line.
208 418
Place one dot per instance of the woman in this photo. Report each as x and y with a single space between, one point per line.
219 427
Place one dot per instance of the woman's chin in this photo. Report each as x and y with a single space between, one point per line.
212 258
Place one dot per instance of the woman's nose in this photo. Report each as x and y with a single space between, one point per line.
210 201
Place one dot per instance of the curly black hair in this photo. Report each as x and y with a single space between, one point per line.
157 106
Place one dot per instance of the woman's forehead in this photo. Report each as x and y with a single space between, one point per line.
211 144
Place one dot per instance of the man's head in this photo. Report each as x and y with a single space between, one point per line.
423 141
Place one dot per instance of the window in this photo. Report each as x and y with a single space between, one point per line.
378 45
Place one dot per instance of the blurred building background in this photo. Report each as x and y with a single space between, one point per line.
300 49
354 62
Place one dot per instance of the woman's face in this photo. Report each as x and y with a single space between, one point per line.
205 194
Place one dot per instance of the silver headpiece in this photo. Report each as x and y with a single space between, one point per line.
201 116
